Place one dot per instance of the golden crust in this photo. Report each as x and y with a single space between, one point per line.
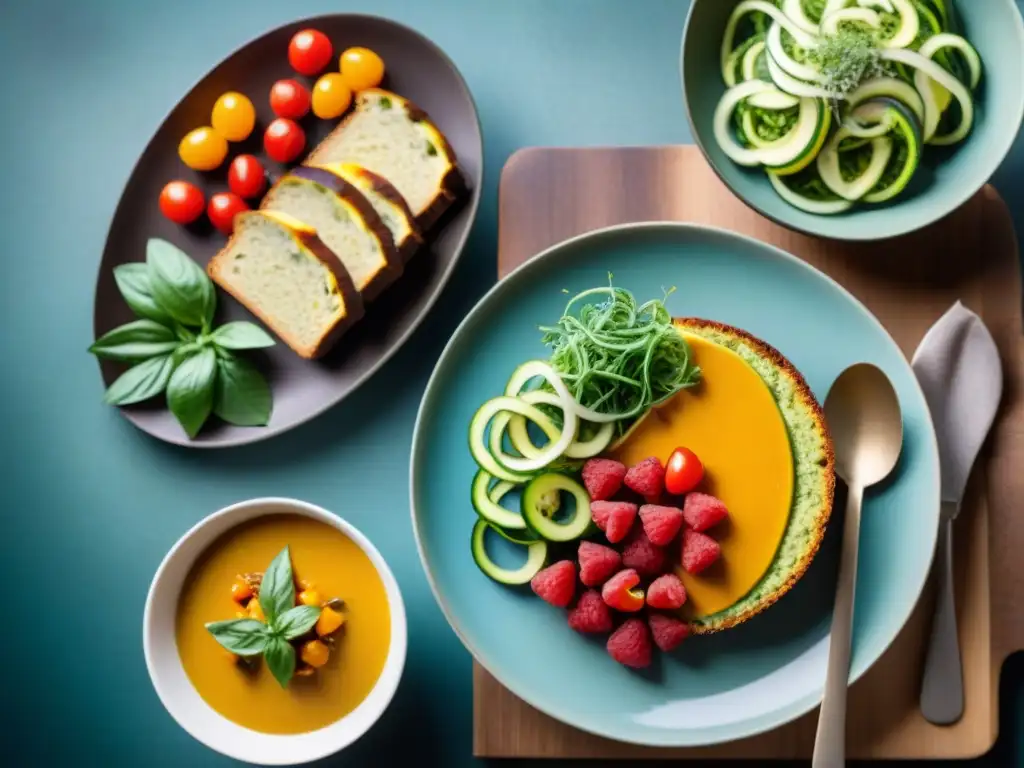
814 409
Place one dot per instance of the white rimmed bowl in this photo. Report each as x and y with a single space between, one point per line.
185 704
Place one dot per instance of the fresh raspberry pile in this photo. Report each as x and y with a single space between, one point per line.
624 583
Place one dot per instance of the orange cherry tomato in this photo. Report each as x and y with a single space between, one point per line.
233 116
683 472
246 177
361 68
284 140
309 52
331 96
222 209
203 149
181 202
289 98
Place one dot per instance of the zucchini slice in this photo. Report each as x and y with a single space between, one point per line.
820 207
803 39
487 502
791 66
926 68
893 88
486 454
906 133
536 556
829 167
540 503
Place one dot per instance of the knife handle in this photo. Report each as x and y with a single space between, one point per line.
942 690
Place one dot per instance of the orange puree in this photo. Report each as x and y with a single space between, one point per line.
731 421
338 568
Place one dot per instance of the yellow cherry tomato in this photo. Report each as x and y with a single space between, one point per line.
331 96
361 68
203 149
233 116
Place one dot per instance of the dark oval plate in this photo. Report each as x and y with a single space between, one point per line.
416 69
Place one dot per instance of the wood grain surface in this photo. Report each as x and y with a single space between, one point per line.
550 194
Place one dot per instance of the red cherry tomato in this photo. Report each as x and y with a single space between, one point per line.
246 177
309 52
683 472
284 140
222 209
289 98
181 202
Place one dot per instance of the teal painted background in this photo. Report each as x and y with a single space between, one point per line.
90 505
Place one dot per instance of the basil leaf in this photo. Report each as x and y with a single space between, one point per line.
280 657
296 621
245 637
277 590
179 285
141 381
242 396
137 340
241 335
190 390
134 284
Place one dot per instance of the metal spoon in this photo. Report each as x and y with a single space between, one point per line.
863 415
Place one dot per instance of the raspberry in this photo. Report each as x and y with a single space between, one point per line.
668 632
699 551
661 524
597 563
640 554
590 615
630 644
666 592
646 478
556 584
619 592
702 511
603 478
615 518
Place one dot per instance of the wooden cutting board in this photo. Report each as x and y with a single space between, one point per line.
548 195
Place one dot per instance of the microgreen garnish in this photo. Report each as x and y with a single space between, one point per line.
846 59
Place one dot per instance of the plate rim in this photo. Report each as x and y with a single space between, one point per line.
778 717
472 207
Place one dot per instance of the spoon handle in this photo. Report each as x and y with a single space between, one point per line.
942 691
830 740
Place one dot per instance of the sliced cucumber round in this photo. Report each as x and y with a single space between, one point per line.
541 502
536 556
487 502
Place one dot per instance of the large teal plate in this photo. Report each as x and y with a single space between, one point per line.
719 687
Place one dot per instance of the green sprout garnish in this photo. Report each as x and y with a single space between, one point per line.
846 60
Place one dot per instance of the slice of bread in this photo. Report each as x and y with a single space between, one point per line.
278 269
387 201
394 138
345 221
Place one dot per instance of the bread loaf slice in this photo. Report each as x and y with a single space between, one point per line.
392 137
387 201
345 221
278 269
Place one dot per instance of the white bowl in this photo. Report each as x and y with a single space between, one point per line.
185 704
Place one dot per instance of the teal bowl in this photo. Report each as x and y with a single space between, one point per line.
947 177
714 688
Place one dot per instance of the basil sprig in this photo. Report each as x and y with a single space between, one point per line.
285 621
174 348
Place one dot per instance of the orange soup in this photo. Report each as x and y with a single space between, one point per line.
335 567
732 422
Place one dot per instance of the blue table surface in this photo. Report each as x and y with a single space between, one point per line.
91 505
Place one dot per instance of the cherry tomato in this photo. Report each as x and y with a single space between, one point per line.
331 96
222 209
289 98
233 116
309 52
246 177
361 68
181 202
203 149
683 472
284 140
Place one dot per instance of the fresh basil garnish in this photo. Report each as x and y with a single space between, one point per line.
241 335
277 590
134 341
141 382
180 285
296 621
245 637
242 394
280 657
190 390
133 283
